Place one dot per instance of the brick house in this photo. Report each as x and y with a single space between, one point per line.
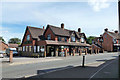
52 41
110 41
3 46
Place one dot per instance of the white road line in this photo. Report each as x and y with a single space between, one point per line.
101 69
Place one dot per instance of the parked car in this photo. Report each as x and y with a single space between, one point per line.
2 54
15 53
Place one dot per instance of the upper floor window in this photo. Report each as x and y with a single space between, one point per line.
114 41
28 37
65 39
59 38
73 38
82 40
49 36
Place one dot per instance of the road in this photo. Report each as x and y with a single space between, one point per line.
22 70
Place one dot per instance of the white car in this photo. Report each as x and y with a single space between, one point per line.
1 55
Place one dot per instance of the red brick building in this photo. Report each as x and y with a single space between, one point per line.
52 41
110 41
3 46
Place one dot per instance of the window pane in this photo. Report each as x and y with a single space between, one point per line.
28 37
34 48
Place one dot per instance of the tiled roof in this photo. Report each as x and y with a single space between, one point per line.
60 31
36 32
64 32
114 35
13 45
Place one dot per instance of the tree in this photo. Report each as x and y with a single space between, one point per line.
14 41
1 38
90 39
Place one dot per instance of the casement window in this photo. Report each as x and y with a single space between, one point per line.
23 48
30 48
59 38
26 48
65 39
82 40
20 49
38 48
34 48
73 38
49 36
114 41
28 37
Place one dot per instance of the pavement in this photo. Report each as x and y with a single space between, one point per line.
61 67
109 69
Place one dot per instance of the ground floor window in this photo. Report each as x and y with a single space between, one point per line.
23 48
38 48
30 48
26 48
34 48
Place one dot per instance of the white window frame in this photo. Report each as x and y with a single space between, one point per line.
49 36
82 40
30 48
23 48
38 48
28 37
34 49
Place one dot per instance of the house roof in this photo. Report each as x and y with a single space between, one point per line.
36 32
3 42
114 35
64 32
13 45
59 31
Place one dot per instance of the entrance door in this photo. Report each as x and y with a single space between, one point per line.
51 51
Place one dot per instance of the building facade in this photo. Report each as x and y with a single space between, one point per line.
52 41
110 41
3 46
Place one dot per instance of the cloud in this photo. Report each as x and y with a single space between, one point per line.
7 34
97 5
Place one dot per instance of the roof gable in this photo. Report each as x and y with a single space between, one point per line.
36 32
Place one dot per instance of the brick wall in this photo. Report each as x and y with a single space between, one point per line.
107 42
50 32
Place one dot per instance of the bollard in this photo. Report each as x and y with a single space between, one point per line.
11 57
83 61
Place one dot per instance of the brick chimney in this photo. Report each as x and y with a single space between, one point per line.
43 27
79 30
62 26
106 29
116 31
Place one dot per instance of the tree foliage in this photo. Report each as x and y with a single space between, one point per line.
14 41
1 38
90 39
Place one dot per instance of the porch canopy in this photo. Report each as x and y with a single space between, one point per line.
50 42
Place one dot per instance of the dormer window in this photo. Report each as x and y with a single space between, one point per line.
28 37
73 38
49 36
82 40
59 38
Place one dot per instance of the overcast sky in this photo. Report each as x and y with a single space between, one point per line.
92 16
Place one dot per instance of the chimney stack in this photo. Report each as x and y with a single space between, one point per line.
106 29
79 30
62 26
43 27
116 31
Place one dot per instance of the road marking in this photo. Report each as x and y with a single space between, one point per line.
101 69
30 75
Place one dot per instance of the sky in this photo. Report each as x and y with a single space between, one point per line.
92 16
